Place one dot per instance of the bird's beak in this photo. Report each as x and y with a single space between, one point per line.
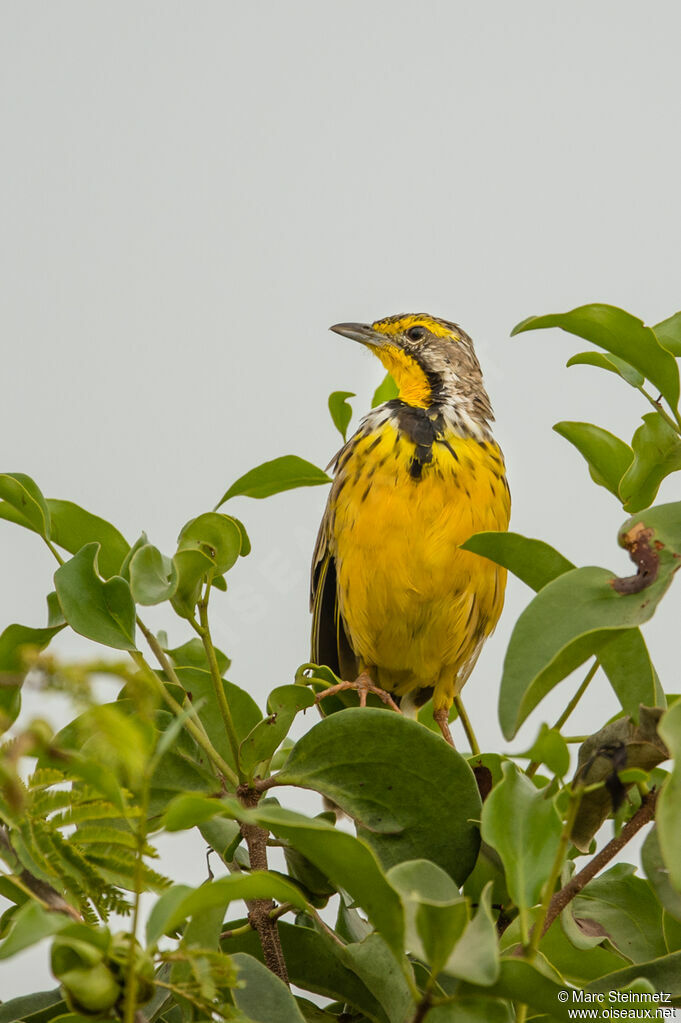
361 332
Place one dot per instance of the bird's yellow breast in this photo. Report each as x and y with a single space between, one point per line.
417 608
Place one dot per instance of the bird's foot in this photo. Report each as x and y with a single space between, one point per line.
363 685
441 717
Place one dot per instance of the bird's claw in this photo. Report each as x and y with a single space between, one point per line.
363 685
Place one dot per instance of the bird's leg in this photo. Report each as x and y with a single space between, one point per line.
441 717
364 685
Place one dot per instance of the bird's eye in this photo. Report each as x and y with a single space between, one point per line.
416 333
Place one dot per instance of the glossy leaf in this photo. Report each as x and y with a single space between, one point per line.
24 495
525 830
245 711
341 410
612 363
625 905
551 749
567 622
347 861
73 527
315 962
379 767
663 973
30 924
284 473
263 998
668 333
626 662
207 546
387 390
476 955
657 453
153 577
525 983
379 968
36 1008
534 562
607 456
261 743
621 334
658 873
667 813
14 641
436 914
180 902
101 611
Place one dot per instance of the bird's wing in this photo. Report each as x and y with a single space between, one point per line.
330 644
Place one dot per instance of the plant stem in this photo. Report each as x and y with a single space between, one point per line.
560 900
194 730
561 852
467 727
218 685
54 550
260 911
534 766
676 426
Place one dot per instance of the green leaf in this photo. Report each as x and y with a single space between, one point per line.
190 809
667 812
15 640
245 711
153 577
380 969
24 495
73 527
626 662
207 546
551 749
101 611
657 873
348 862
379 767
534 562
621 334
524 982
263 998
341 411
607 456
476 955
284 473
525 830
568 621
315 962
192 654
386 391
38 1008
664 973
625 905
657 453
473 1010
261 743
171 909
610 362
668 333
436 914
30 924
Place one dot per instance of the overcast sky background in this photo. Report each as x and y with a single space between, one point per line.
192 193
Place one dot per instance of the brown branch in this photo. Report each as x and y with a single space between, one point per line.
260 910
422 1008
560 900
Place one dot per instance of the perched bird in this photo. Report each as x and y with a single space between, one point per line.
397 607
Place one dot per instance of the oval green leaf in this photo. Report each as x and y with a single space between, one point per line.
656 454
609 362
283 704
386 391
621 334
101 611
534 562
341 410
153 577
607 456
25 496
668 816
284 473
668 333
379 767
263 998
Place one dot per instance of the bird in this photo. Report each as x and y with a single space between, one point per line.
398 609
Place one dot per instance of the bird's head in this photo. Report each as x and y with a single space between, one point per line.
431 360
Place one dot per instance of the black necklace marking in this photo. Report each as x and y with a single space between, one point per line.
423 427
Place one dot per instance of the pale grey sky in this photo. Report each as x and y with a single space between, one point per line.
192 193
